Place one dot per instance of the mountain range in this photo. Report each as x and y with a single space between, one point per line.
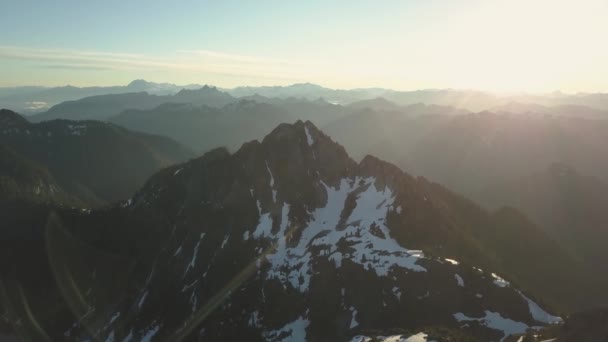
286 238
33 99
93 161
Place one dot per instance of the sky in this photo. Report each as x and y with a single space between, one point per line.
492 45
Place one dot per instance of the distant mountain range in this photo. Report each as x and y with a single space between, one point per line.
33 99
287 238
102 107
202 128
36 99
178 223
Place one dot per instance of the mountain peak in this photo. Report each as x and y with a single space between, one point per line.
139 83
301 131
204 89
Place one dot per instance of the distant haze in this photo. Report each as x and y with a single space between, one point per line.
534 46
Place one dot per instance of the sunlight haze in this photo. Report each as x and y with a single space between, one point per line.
531 46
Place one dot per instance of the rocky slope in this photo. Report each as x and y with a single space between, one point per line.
286 239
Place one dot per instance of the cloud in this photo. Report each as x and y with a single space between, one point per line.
237 58
72 67
183 61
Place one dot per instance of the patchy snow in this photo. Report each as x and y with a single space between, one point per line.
129 337
479 295
110 337
142 299
498 281
375 252
225 241
179 250
398 210
254 319
148 335
459 280
309 138
539 314
274 192
189 286
353 319
337 259
178 171
192 262
246 235
264 228
296 331
416 253
127 203
397 292
360 338
420 337
193 300
114 318
494 320
452 261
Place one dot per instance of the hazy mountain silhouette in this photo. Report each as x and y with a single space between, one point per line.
38 99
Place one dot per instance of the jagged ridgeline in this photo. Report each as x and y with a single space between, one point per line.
286 239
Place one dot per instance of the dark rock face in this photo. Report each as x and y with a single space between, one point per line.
286 239
586 326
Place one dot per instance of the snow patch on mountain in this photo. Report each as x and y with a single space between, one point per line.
294 332
309 138
539 314
397 292
194 254
420 337
498 281
150 333
353 319
452 261
321 237
264 226
114 318
274 192
494 320
459 280
110 337
142 299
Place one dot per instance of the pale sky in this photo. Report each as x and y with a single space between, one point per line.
494 45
